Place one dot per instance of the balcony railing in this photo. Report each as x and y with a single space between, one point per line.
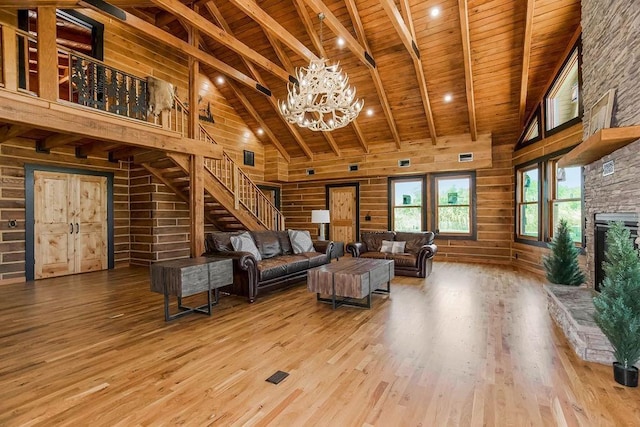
91 83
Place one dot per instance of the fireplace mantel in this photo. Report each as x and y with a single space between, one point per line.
598 145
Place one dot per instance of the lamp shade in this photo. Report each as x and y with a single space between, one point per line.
320 217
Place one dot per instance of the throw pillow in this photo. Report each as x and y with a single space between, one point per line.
244 243
398 247
301 241
387 246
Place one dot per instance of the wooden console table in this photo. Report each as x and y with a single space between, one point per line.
190 276
351 279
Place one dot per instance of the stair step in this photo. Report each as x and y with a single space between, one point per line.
175 174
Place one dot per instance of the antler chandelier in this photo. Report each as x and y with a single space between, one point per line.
322 100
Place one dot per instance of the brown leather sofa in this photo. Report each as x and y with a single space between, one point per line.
416 260
279 265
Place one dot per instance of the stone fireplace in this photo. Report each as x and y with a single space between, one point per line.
611 60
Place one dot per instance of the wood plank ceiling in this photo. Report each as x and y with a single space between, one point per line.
474 51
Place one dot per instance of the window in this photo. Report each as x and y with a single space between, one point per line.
453 205
562 103
529 202
566 199
406 204
546 194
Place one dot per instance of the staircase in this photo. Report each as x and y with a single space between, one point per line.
232 200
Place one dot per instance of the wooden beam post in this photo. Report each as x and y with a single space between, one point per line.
47 54
10 58
194 71
196 199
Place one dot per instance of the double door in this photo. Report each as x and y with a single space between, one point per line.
70 223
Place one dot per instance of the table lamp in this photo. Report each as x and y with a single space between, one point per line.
320 217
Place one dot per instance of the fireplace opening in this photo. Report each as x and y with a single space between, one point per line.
602 221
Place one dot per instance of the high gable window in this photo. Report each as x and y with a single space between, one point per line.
533 131
562 103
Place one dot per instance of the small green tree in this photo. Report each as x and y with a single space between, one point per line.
561 265
618 305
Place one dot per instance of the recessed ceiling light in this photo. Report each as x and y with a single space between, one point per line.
220 80
448 97
247 134
340 41
435 11
369 112
260 131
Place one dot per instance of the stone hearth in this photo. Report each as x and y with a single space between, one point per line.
572 309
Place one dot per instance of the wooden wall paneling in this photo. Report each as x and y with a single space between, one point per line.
494 191
424 158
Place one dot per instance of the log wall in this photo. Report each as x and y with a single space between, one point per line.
494 189
14 154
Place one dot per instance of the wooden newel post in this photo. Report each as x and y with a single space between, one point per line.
165 119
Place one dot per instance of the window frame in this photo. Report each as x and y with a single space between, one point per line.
545 202
522 142
434 178
520 172
553 190
391 198
577 49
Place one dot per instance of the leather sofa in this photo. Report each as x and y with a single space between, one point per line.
278 267
415 260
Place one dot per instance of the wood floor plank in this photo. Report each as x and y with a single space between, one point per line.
469 345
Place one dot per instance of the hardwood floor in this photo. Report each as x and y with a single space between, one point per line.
470 345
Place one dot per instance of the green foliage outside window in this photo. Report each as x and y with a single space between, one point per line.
454 204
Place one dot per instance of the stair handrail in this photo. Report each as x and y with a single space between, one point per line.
230 175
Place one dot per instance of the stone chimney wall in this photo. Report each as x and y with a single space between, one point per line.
611 60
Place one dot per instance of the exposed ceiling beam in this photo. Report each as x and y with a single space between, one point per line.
8 132
308 25
215 12
288 65
408 39
382 94
252 111
166 38
57 140
338 29
269 24
95 148
468 71
219 35
526 58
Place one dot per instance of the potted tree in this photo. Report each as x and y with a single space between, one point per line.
561 265
618 305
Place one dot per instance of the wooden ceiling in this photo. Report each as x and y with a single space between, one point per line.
494 57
